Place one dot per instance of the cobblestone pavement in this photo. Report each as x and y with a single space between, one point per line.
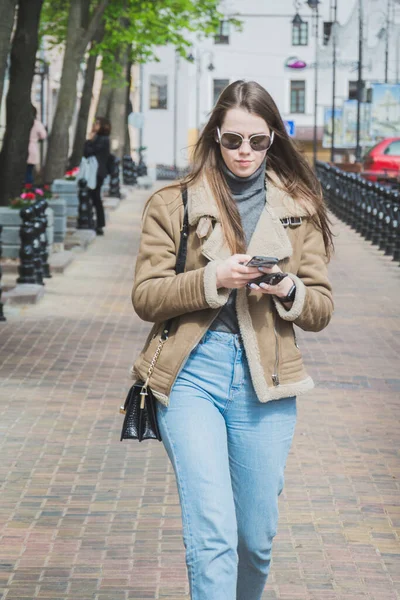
85 517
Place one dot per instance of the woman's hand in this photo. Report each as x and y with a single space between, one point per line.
232 273
280 290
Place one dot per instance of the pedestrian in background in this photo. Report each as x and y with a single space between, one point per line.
229 373
37 134
98 145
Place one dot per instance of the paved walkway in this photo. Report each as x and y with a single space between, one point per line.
85 517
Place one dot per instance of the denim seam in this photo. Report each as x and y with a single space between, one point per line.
183 504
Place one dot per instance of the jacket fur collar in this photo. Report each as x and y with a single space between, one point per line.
269 237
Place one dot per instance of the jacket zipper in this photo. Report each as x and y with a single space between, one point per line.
275 375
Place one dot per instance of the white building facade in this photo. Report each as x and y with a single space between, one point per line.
177 95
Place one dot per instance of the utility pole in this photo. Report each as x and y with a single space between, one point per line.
359 80
387 41
198 77
315 138
141 107
175 136
334 42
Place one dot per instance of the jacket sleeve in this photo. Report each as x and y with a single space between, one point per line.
159 293
313 304
99 145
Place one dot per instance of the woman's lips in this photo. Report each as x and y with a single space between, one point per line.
244 163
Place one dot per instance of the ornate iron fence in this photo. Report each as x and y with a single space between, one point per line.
370 209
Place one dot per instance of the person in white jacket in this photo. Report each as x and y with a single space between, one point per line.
38 133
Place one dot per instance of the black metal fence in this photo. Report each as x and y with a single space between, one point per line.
369 208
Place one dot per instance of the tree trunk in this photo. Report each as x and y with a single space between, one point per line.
7 15
105 98
78 37
81 126
117 113
14 153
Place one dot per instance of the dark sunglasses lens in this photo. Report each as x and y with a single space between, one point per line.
231 141
260 142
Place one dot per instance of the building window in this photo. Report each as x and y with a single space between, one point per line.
222 37
158 91
353 90
327 31
297 96
219 86
300 34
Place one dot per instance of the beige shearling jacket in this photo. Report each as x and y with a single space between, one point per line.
284 230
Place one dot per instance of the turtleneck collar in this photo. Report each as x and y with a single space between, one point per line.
245 185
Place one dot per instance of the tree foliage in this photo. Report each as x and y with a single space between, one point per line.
140 26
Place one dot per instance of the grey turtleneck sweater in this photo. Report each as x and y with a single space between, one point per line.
249 195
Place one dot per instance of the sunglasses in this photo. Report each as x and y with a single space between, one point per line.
232 141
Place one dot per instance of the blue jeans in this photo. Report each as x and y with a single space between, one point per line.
229 453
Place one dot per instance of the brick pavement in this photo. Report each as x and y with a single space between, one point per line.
84 517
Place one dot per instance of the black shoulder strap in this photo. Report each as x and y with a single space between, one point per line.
182 252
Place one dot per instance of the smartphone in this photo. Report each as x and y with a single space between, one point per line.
262 261
270 278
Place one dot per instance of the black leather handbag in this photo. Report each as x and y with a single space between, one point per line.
140 422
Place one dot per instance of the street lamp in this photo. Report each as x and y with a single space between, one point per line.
313 4
359 79
210 67
334 42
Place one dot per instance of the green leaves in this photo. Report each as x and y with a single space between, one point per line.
139 26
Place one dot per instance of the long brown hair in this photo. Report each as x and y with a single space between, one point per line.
293 171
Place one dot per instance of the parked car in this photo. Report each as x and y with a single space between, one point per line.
382 162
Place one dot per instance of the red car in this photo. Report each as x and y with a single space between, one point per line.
382 162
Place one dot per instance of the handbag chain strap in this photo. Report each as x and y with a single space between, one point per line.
180 267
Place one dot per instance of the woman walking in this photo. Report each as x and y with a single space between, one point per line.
37 134
98 145
229 374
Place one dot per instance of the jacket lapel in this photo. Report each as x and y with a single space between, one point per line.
269 238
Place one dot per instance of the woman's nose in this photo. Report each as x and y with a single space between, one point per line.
245 148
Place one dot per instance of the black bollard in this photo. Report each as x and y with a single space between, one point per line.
2 317
85 209
128 170
114 191
27 233
142 168
37 249
134 173
42 205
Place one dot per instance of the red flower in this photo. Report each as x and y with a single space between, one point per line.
28 186
46 186
30 196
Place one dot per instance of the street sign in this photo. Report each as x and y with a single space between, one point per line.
290 128
136 120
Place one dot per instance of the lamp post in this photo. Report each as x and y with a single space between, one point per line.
334 41
197 58
359 79
313 4
175 136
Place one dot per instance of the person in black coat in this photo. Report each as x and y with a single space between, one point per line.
98 145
